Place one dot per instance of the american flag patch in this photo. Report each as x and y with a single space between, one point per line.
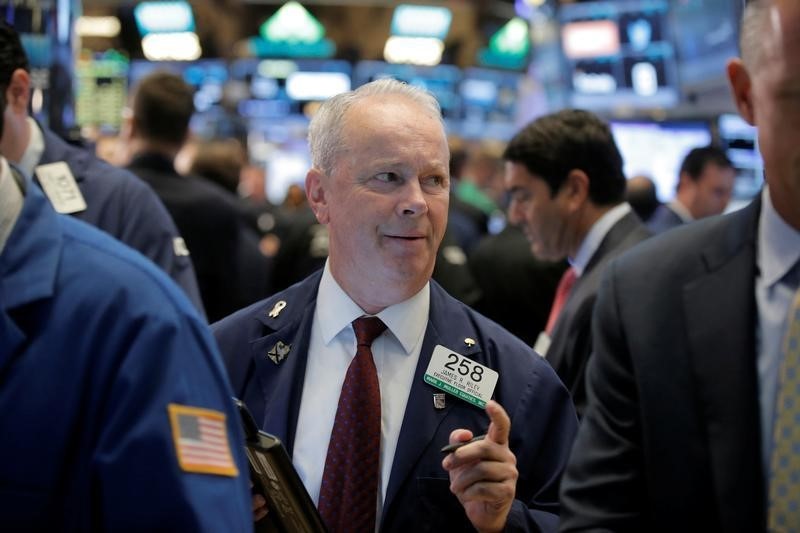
201 440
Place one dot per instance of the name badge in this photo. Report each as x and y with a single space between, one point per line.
60 187
460 376
542 344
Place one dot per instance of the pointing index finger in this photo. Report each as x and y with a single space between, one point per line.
500 425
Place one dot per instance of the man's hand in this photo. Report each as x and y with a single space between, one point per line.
483 474
259 506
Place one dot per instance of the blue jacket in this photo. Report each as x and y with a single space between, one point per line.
125 207
95 342
418 497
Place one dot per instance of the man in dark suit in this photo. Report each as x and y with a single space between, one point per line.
564 173
113 199
380 183
704 189
682 431
207 217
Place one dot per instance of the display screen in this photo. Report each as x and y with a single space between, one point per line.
272 89
706 35
619 54
101 92
489 103
441 80
657 150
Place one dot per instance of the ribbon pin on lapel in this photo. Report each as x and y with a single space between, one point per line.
277 308
279 352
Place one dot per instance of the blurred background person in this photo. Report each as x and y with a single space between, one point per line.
161 107
564 174
705 186
641 194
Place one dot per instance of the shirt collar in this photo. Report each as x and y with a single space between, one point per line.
406 320
681 210
778 243
33 152
595 237
11 201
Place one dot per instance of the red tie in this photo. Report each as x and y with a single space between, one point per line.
562 293
348 497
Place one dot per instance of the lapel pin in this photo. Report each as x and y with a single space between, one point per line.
279 352
276 310
469 342
438 400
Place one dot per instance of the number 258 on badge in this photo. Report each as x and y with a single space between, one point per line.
460 376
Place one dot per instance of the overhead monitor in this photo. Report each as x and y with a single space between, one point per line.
705 37
619 54
657 150
489 102
421 21
441 80
277 88
163 17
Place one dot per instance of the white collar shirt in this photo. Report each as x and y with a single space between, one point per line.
595 237
331 349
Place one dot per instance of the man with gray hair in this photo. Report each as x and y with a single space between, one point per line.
692 419
366 433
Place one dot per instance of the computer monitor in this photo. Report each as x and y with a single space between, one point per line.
705 37
657 149
489 103
441 80
619 54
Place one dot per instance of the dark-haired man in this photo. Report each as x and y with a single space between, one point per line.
704 189
564 173
209 220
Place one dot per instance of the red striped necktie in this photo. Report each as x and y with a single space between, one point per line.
562 293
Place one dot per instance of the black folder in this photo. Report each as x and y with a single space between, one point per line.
291 509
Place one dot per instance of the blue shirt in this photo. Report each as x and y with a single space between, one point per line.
777 257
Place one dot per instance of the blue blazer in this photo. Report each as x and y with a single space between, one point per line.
95 342
125 207
418 496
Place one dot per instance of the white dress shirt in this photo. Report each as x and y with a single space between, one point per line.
11 201
596 234
332 347
778 253
33 152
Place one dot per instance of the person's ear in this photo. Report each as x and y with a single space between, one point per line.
317 194
742 89
575 189
18 93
